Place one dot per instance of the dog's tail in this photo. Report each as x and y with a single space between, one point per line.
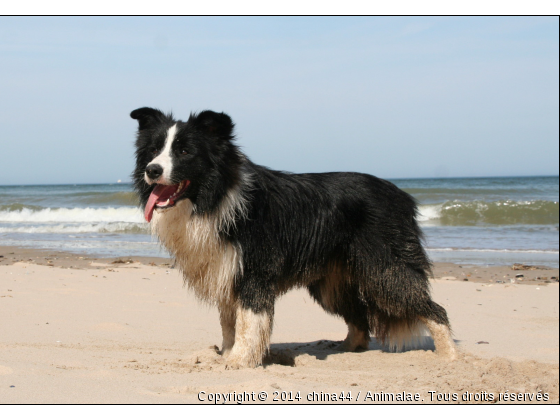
404 313
400 335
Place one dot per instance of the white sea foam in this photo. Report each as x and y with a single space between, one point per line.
429 212
504 212
521 251
74 215
103 227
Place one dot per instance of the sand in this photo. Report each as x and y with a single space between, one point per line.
75 329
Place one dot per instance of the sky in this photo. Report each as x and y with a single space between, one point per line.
396 97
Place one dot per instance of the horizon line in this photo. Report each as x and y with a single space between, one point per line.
389 179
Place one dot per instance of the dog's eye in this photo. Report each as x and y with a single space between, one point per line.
154 151
184 152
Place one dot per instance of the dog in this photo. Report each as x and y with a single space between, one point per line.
243 235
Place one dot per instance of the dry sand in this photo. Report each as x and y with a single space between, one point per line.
130 333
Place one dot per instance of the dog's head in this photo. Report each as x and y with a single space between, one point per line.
176 160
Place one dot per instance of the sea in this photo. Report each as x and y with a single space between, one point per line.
478 221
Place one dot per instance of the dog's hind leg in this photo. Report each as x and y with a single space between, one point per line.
342 300
252 338
354 312
227 320
443 341
441 334
356 340
434 316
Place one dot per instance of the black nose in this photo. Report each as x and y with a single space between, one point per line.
154 171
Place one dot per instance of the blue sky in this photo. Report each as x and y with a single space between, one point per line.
396 97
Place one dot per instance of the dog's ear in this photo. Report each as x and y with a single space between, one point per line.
147 117
214 124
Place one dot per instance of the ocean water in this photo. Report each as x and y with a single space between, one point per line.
465 220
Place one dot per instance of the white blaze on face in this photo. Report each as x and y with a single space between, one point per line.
164 159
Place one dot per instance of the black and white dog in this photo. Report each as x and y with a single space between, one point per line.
243 235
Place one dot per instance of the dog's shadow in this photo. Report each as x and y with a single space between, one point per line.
286 353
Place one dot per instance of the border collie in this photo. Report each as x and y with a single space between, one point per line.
243 235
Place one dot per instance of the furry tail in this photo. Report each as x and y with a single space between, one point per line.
400 335
404 313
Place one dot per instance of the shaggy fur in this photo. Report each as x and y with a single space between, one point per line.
243 235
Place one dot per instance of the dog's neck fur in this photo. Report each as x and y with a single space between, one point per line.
214 188
208 261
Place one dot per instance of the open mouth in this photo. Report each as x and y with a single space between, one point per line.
164 197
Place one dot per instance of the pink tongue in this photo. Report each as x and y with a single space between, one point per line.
160 194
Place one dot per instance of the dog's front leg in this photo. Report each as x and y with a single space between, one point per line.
227 320
252 337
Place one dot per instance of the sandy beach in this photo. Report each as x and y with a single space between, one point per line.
76 329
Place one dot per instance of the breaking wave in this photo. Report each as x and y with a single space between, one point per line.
16 218
506 212
27 213
37 219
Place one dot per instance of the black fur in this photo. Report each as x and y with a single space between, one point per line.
352 230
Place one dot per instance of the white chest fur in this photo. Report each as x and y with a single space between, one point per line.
209 264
